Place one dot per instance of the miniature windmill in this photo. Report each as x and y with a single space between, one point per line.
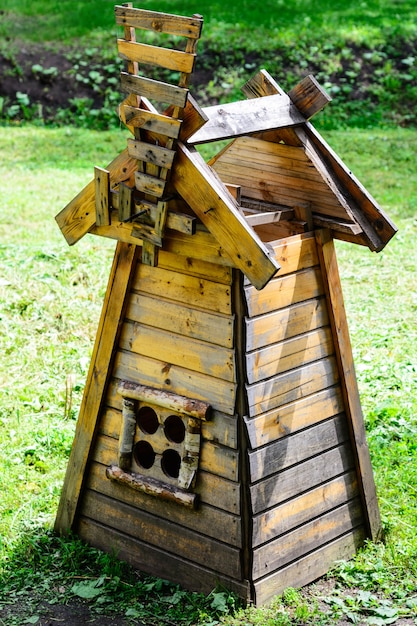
220 437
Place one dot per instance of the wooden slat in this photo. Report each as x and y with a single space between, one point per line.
212 488
125 202
296 544
216 208
198 356
294 416
170 59
96 383
153 122
150 184
282 292
156 561
245 117
310 567
161 375
303 508
298 447
309 97
195 267
149 153
285 323
300 478
177 318
190 290
261 85
207 520
289 354
284 388
159 22
188 544
153 89
348 380
102 194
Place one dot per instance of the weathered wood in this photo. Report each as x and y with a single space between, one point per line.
150 184
309 97
158 532
153 89
96 383
173 348
348 380
289 386
157 561
282 292
300 478
295 416
150 153
135 117
295 253
152 487
257 219
196 267
245 117
102 195
216 208
208 520
303 508
125 202
309 567
172 401
289 354
297 543
186 321
127 433
168 58
298 447
278 325
262 84
159 22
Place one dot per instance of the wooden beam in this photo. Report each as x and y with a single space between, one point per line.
153 89
170 59
159 22
102 196
309 97
246 117
338 321
166 399
214 205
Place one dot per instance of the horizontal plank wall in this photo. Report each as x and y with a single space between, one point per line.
177 336
304 489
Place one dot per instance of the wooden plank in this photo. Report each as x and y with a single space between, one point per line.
188 544
159 22
348 380
149 185
217 209
150 153
261 85
285 323
125 202
294 416
282 292
245 117
213 489
300 478
186 321
309 97
284 388
190 290
168 58
98 376
153 122
289 354
297 543
207 520
174 348
78 217
157 561
162 375
298 447
102 194
153 89
195 267
303 508
310 567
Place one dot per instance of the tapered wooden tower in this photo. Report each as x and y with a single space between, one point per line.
220 437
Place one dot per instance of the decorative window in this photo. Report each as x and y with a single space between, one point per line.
159 443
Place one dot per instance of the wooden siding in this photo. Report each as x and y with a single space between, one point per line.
304 490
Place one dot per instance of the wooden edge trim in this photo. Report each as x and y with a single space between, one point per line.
331 280
152 487
166 399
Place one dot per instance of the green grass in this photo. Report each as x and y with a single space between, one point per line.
50 299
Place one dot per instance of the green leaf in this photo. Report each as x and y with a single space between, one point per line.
87 589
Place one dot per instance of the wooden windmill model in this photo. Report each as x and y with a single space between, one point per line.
220 438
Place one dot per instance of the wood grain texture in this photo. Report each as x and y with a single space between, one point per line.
159 22
153 89
168 58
